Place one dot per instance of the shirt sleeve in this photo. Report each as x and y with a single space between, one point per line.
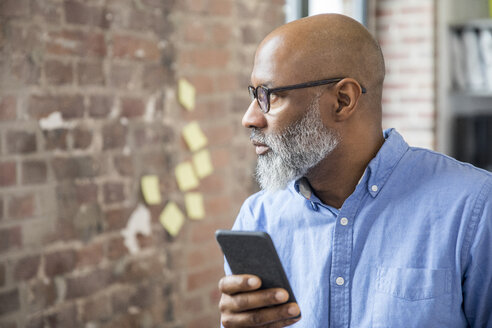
477 285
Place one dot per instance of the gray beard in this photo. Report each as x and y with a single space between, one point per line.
294 151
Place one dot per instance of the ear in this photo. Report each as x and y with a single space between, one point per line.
348 92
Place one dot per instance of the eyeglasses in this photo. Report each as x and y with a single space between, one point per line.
262 93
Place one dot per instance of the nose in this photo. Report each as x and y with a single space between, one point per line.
254 117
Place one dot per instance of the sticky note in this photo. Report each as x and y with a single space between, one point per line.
171 218
194 205
150 189
186 94
202 163
186 177
194 137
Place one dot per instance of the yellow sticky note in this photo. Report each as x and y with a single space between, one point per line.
194 137
186 94
171 218
202 163
186 176
150 189
194 205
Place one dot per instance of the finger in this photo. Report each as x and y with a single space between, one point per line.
261 317
239 283
252 300
281 324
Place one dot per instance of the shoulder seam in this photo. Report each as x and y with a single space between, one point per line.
474 220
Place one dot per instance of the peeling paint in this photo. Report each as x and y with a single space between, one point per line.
54 121
139 222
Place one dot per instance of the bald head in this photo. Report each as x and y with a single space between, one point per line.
320 47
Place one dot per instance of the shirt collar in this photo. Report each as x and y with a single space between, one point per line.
378 170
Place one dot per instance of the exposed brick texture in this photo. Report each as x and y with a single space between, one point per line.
406 33
87 107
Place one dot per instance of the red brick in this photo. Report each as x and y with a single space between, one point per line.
124 165
2 274
8 108
132 107
90 73
220 7
35 321
86 192
120 300
221 34
96 308
116 248
100 106
116 219
122 76
203 320
144 296
114 136
25 71
64 316
55 139
77 12
194 32
43 295
206 58
60 262
82 138
87 284
34 172
8 174
70 106
20 142
114 192
79 43
155 76
201 256
10 238
9 301
21 207
26 268
75 167
125 46
58 72
203 84
226 82
204 278
14 8
49 11
90 255
221 158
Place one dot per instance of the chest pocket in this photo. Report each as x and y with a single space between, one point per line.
413 284
411 298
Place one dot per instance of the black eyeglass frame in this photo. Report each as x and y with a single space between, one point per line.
253 92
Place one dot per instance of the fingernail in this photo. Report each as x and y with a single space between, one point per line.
252 282
293 310
281 296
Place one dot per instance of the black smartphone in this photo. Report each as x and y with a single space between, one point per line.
253 252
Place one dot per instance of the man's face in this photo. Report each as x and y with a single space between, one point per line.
293 150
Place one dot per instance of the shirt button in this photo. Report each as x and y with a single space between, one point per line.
344 221
340 281
374 188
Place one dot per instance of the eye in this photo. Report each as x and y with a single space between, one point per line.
273 97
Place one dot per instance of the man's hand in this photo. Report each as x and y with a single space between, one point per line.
243 305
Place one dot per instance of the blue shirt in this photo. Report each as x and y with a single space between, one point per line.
411 247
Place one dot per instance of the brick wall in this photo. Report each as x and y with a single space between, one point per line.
87 107
406 32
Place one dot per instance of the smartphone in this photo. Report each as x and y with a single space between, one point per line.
253 252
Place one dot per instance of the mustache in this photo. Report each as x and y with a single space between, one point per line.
258 136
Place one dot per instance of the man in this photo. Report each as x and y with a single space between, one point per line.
371 232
